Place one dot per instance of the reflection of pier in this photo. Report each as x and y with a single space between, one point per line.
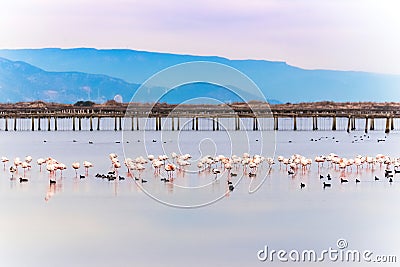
40 116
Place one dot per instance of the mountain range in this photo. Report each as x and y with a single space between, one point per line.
69 75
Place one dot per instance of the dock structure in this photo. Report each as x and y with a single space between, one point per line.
38 116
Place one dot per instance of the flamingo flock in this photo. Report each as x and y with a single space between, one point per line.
167 166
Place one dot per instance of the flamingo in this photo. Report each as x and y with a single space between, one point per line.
50 168
170 168
24 166
87 165
280 160
116 166
200 166
76 166
319 159
40 161
28 159
60 167
4 160
17 162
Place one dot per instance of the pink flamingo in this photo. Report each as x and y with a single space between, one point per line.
87 165
61 167
76 166
24 166
40 161
50 168
4 160
170 168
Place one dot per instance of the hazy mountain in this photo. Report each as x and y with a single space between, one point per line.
277 80
20 81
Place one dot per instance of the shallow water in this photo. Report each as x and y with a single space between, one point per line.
93 222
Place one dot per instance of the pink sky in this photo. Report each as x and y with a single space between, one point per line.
341 34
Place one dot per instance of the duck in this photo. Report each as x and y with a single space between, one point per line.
23 180
326 185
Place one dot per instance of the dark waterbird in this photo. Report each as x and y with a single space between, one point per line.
290 172
343 180
390 180
144 181
326 185
82 176
321 176
302 185
23 180
231 187
233 174
357 181
376 178
52 181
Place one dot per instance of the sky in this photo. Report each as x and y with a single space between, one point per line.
358 35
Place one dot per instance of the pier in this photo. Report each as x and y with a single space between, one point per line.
256 116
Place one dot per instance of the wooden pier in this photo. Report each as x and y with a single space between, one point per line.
51 116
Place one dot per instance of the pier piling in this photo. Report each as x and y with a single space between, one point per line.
371 124
349 124
91 123
387 127
33 124
334 123
294 123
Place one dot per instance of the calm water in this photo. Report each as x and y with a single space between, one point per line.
93 222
